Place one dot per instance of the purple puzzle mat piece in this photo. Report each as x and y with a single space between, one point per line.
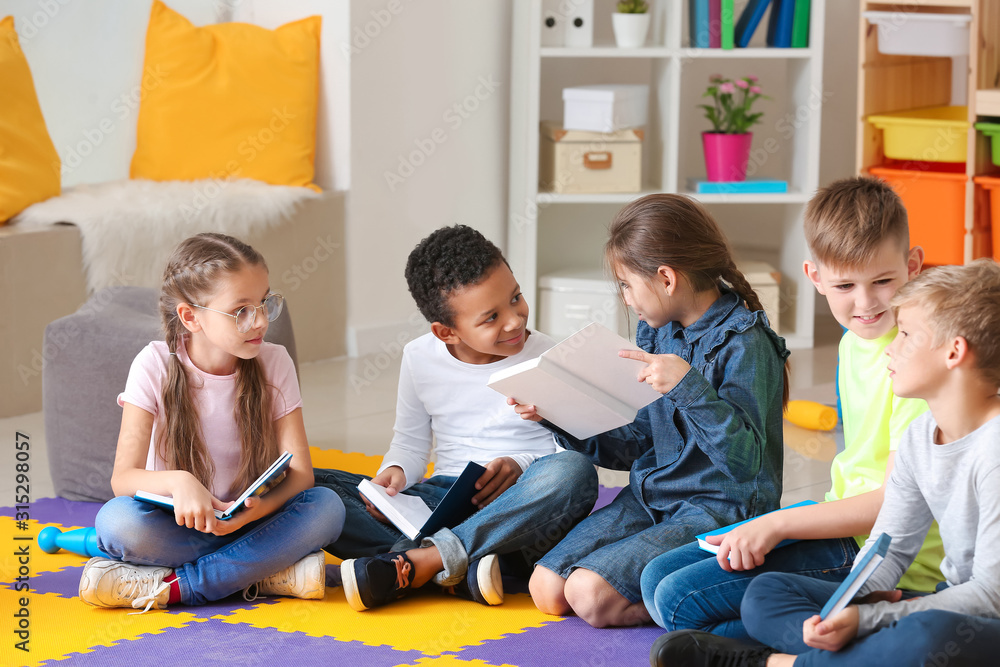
59 510
605 494
64 582
575 642
214 642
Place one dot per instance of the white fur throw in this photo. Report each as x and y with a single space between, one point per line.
130 227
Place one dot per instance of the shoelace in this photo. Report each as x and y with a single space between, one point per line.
277 579
402 571
248 596
134 583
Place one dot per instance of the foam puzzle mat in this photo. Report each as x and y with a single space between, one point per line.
427 628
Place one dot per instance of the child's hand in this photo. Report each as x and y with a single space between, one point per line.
500 475
662 371
744 547
239 519
526 411
833 633
194 505
393 479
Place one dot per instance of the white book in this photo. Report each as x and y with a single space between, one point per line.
407 513
581 385
267 481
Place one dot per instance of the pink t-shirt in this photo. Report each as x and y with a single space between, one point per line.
215 398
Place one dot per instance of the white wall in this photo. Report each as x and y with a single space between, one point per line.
429 127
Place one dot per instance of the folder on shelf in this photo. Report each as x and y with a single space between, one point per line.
728 12
698 23
749 186
749 20
779 26
800 24
715 24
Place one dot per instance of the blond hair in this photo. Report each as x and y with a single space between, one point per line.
676 231
847 221
961 301
192 276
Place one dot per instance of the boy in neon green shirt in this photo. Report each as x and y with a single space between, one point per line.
858 234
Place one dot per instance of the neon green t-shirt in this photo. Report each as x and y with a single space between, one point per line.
874 422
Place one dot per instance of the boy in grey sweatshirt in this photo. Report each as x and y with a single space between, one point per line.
947 468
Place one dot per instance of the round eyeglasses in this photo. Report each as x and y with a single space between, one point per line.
247 315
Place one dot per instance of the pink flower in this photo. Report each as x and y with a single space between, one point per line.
716 78
755 90
751 78
727 88
742 84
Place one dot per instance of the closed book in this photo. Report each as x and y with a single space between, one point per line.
269 479
779 26
728 18
581 385
715 24
859 575
698 23
750 186
800 24
749 20
712 548
414 518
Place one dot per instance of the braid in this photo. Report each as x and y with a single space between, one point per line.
738 281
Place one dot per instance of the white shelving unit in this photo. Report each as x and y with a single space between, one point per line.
549 232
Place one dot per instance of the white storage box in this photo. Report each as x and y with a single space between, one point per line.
605 108
767 283
915 34
571 161
572 299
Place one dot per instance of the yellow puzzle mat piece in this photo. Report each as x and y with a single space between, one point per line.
58 626
454 661
431 622
39 561
361 464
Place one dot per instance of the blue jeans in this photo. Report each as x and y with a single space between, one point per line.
776 605
210 567
520 526
686 589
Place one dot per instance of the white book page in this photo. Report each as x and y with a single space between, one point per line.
856 585
406 512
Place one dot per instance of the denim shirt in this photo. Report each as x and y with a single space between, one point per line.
710 449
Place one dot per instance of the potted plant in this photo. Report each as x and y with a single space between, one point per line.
727 144
631 23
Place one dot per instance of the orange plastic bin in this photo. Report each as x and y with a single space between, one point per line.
935 205
992 184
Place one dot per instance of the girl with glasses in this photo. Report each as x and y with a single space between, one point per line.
205 412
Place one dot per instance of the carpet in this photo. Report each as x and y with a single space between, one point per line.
427 628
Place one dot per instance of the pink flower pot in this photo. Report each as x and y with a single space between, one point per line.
726 155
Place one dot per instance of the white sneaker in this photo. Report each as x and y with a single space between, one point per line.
112 583
305 579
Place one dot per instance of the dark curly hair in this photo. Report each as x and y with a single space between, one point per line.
450 258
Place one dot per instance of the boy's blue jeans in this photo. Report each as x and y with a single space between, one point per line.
210 567
520 526
687 589
776 605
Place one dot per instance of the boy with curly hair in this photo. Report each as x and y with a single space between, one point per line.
463 286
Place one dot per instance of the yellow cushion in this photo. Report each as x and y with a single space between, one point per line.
228 100
29 163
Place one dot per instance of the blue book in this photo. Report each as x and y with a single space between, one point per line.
698 20
749 20
711 548
860 574
752 186
779 26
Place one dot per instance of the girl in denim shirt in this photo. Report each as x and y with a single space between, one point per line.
708 453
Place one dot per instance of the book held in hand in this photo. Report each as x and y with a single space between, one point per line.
712 548
267 481
414 518
581 385
860 574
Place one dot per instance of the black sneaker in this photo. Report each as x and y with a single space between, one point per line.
691 648
376 580
482 582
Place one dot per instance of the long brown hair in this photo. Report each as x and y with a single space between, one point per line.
193 274
676 231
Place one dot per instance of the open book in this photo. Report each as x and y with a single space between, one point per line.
860 574
267 481
712 548
581 385
414 518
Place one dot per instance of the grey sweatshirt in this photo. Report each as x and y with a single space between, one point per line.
958 484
